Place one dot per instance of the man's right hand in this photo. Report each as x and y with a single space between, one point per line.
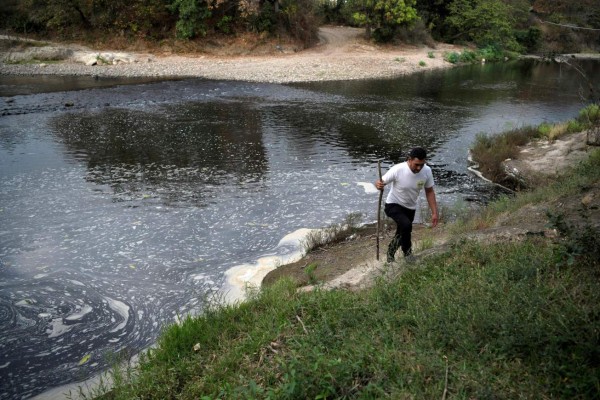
379 184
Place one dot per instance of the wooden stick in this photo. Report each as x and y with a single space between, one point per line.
445 380
379 208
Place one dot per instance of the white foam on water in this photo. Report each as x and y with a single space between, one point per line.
120 308
58 328
25 302
369 187
249 276
86 309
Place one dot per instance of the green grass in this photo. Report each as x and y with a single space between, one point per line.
510 323
503 321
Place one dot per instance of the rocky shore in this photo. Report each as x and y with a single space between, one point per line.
343 54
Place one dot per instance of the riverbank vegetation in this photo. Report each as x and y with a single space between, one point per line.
490 151
481 319
543 26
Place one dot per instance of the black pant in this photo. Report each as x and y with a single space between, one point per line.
404 218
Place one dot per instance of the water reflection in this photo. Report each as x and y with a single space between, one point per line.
170 152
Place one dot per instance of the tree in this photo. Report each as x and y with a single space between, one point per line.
192 17
484 22
434 14
383 17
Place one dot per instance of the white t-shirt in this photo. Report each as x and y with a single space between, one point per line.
406 185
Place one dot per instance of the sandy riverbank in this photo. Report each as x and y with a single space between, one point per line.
342 54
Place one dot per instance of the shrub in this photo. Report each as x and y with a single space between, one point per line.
416 33
574 126
224 25
300 21
544 129
530 38
192 18
490 152
590 115
491 53
383 34
265 20
468 56
452 57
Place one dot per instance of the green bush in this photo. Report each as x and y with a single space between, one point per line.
266 20
452 57
224 24
530 38
590 115
192 17
574 126
544 129
383 34
489 53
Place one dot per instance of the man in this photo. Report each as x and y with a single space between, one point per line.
407 179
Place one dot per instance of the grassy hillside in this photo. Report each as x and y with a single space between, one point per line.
502 320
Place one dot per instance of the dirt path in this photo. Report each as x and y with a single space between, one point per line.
338 39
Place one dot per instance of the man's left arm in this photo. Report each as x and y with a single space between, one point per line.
430 194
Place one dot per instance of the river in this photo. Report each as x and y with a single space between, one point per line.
123 204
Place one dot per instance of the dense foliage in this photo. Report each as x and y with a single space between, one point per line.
547 26
159 19
384 16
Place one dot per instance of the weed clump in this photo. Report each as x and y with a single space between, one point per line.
490 152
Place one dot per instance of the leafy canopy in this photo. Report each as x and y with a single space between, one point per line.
384 15
484 22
